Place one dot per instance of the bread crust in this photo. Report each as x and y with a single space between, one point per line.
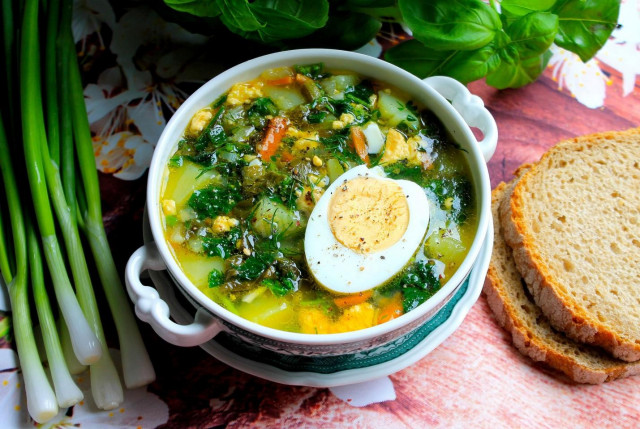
548 293
509 315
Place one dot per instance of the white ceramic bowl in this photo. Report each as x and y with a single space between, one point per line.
450 101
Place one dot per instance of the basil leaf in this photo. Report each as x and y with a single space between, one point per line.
585 25
273 20
368 3
416 58
451 24
344 30
465 66
519 8
523 50
518 73
203 8
238 16
533 34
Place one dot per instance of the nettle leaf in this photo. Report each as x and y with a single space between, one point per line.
465 66
451 24
585 25
204 8
519 8
273 20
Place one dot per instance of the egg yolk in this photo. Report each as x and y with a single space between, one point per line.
368 215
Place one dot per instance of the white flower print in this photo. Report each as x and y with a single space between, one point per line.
140 408
586 81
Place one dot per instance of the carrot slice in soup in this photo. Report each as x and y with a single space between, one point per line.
276 130
359 144
287 80
391 309
349 300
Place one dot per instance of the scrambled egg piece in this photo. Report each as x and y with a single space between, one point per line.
244 93
356 317
398 149
305 140
200 120
314 321
223 224
169 207
347 118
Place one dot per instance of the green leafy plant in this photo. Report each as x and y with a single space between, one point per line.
507 42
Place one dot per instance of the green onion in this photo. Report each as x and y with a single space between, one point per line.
74 365
50 76
85 344
41 400
67 392
136 365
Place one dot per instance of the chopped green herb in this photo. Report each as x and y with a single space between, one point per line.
314 71
216 278
222 246
251 268
220 101
171 220
215 200
263 106
176 161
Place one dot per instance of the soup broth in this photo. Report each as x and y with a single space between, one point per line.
250 168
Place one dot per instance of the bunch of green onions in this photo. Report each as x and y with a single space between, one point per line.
45 141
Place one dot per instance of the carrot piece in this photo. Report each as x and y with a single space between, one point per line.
276 130
359 144
349 300
391 309
287 80
286 157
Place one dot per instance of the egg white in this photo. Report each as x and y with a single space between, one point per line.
342 270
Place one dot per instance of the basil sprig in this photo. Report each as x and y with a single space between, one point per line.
507 42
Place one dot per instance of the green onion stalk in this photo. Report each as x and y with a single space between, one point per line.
67 392
136 365
67 155
105 383
86 345
51 79
73 364
41 399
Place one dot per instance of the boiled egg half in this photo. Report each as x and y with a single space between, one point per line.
364 230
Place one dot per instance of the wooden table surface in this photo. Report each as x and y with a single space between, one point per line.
476 378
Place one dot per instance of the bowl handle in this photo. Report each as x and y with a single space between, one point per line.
153 310
471 108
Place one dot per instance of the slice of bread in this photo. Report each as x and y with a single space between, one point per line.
573 222
531 332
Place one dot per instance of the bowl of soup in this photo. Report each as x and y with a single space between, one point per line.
315 202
